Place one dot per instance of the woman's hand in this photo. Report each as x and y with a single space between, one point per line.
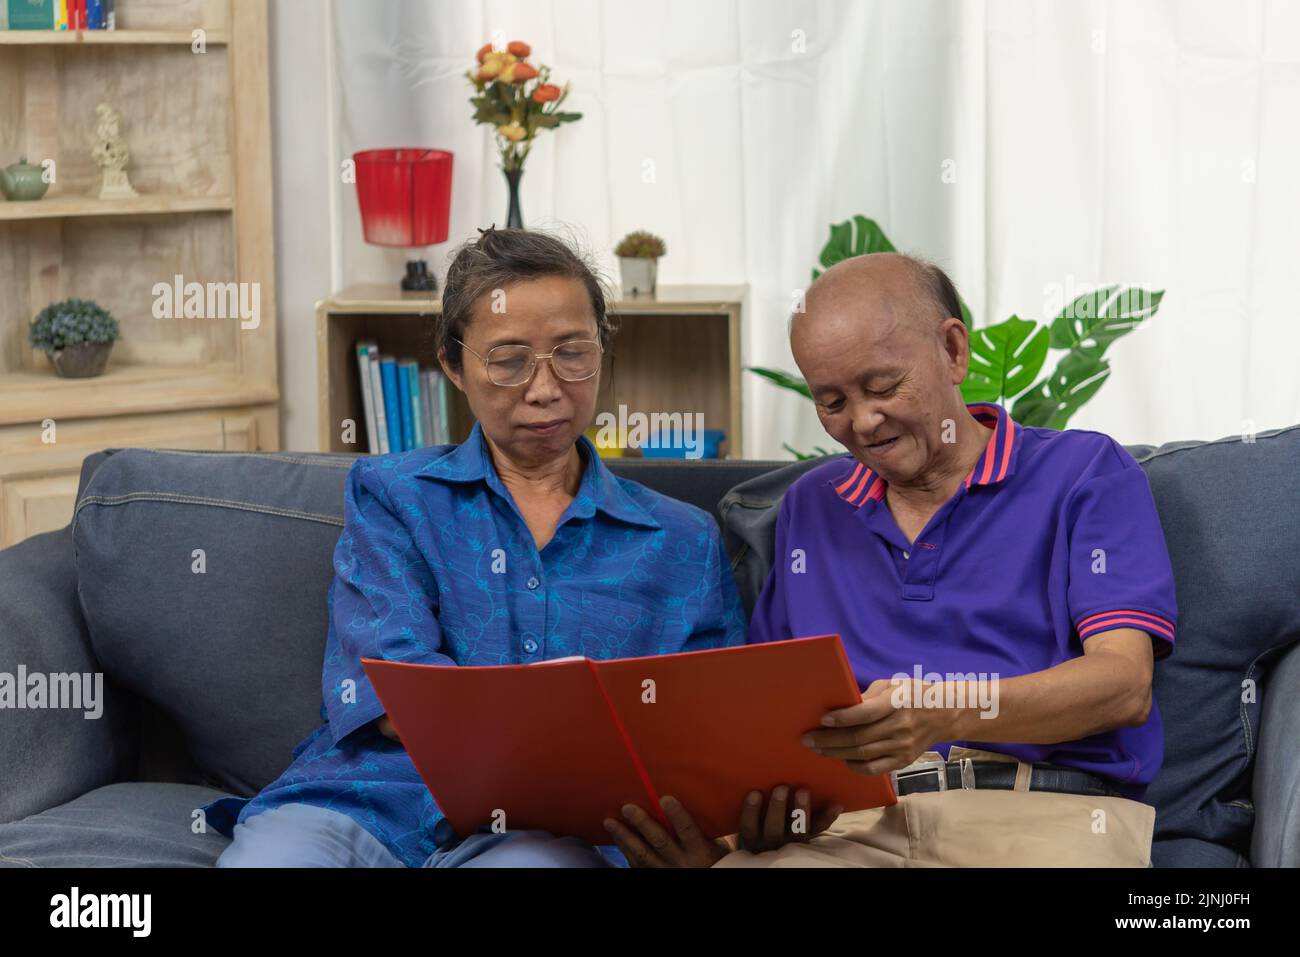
781 824
386 727
651 846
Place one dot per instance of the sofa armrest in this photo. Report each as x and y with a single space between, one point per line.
49 755
1275 841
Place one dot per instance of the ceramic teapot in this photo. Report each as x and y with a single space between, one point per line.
22 181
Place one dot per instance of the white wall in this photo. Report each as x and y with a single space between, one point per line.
1144 141
302 171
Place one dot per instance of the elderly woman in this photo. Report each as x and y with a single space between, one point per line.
514 547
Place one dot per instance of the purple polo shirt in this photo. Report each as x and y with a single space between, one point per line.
1052 539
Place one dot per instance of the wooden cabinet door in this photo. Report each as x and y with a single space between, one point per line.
39 477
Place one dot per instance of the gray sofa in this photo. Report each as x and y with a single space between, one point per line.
195 582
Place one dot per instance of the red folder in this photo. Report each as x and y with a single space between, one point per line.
561 745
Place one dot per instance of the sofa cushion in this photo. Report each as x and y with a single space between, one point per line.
119 825
50 755
227 641
1228 509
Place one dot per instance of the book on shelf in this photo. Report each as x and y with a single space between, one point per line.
58 15
368 393
405 405
415 405
32 14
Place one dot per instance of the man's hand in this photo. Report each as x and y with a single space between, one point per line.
386 727
781 824
651 846
887 731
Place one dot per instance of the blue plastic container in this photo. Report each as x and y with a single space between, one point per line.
671 445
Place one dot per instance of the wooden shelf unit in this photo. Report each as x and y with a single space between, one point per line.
678 352
198 129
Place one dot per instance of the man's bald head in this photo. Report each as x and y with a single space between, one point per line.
886 287
883 350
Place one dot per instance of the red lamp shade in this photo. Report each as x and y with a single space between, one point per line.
405 196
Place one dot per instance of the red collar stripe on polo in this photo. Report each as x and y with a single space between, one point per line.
863 484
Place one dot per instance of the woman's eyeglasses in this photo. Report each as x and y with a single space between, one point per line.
572 361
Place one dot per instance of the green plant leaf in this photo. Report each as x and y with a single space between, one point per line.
804 456
489 111
853 237
1051 402
801 456
1096 319
785 380
1004 359
1086 328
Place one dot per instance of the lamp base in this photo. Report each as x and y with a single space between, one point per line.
418 278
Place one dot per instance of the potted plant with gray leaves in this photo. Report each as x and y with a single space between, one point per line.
77 335
638 262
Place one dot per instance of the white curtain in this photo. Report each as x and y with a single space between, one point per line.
1034 148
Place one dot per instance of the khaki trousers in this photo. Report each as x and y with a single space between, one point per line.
961 828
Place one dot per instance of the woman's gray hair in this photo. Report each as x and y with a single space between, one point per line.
499 257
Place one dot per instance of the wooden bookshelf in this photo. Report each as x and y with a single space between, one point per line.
677 352
198 128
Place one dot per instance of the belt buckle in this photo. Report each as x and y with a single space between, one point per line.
934 766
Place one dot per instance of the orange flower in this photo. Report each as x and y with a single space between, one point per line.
519 48
512 131
483 51
489 70
546 92
522 72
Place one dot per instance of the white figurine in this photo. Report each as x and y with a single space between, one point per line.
111 154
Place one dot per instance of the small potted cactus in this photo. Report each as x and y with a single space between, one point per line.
638 261
77 335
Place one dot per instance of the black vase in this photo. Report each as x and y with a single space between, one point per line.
514 218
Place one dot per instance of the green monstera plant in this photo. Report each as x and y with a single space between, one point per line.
1007 359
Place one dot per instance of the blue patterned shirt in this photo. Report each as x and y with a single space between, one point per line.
435 565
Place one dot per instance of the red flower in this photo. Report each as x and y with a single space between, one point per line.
519 48
483 51
546 92
522 72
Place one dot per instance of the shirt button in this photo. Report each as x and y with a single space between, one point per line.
530 646
905 555
533 583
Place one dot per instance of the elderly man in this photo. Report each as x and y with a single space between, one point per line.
1024 568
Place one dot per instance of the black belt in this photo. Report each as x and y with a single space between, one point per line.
998 775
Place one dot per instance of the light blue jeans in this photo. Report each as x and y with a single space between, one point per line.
303 835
